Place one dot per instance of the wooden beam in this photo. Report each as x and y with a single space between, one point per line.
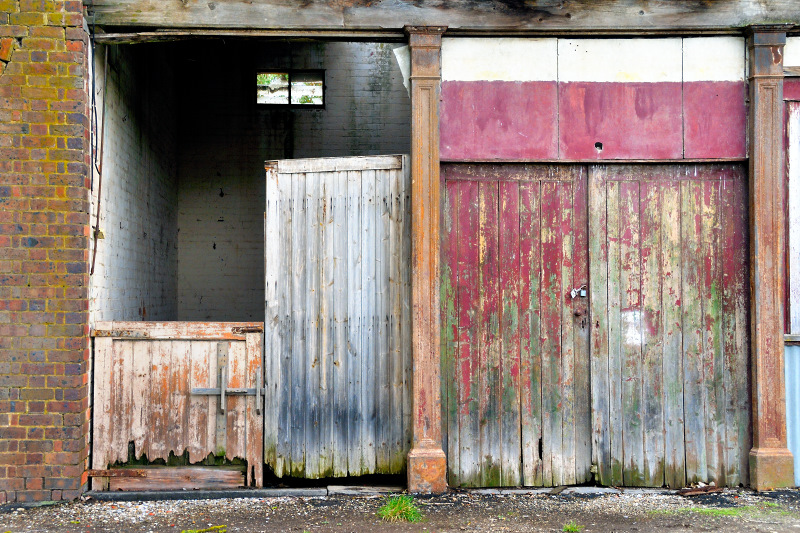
426 460
771 463
535 15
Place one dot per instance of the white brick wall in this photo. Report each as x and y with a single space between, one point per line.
225 139
135 275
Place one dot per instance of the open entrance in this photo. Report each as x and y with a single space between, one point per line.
182 133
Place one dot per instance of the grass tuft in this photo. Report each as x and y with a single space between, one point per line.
571 527
400 508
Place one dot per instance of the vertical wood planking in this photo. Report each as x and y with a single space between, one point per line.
552 294
615 331
369 320
566 451
449 330
274 250
198 407
405 195
254 422
581 327
652 280
692 327
180 368
341 361
672 351
326 326
712 332
295 448
468 295
158 398
311 404
354 321
395 250
631 335
530 352
102 408
599 324
140 396
382 281
235 413
489 359
509 278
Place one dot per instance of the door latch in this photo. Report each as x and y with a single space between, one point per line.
578 292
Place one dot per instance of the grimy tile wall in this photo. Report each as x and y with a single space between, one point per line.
44 229
225 139
136 269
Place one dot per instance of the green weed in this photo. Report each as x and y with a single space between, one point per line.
397 508
212 529
571 527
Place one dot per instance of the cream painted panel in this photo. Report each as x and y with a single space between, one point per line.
508 59
791 54
713 59
619 60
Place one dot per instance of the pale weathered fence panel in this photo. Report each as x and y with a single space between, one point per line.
144 376
338 319
669 303
515 342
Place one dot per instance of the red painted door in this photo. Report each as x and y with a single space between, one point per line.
670 328
515 347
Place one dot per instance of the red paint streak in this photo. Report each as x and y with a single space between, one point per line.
715 119
498 120
467 293
631 120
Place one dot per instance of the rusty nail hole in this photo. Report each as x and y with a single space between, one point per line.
598 146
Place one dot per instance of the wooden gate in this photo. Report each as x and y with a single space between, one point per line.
670 336
163 389
515 334
338 317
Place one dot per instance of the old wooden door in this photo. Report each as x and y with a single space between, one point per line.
669 311
165 389
515 350
338 316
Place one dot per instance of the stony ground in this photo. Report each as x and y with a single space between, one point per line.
584 510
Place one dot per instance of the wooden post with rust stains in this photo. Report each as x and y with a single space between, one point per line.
771 463
427 464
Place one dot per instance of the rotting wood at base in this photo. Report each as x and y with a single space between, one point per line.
116 472
179 478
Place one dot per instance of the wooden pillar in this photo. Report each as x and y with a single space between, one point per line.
771 463
426 460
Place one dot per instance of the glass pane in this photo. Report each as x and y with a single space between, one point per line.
272 88
307 88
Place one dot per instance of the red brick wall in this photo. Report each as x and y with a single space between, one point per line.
44 231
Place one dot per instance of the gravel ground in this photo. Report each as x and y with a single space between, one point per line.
489 511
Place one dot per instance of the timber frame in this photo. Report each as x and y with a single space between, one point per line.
771 463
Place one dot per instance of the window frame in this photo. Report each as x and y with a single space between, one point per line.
291 72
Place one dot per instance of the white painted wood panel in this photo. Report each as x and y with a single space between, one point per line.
619 60
503 59
342 358
791 52
720 58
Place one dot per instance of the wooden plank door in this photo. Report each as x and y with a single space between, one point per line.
515 352
158 395
669 306
338 316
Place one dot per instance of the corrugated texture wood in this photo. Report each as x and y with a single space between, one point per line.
673 407
143 385
515 355
342 357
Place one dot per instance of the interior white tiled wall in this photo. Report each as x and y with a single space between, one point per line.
135 273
